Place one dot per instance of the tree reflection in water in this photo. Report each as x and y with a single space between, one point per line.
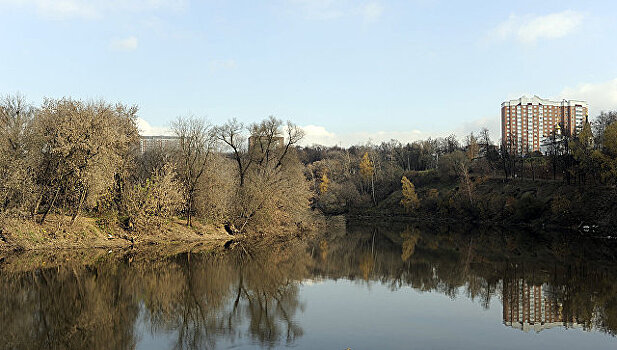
92 299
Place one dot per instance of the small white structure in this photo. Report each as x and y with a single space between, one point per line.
552 143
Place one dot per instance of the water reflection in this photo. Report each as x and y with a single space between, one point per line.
246 294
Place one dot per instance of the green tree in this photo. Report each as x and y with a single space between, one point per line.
582 151
609 153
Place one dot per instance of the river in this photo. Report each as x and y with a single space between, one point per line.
358 286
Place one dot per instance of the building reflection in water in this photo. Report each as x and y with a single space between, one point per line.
532 307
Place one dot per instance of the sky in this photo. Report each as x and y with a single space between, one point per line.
348 72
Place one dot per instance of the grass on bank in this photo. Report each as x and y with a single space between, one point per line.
58 233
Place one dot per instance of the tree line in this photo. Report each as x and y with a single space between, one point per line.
69 157
363 176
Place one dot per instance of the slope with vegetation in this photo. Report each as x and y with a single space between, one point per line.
571 186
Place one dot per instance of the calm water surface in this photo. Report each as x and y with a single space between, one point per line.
362 287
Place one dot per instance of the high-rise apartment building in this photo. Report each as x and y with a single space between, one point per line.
164 142
526 121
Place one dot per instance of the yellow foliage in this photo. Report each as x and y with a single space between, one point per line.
367 262
366 167
323 185
411 238
433 193
323 247
410 198
560 205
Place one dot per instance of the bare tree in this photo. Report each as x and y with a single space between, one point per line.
232 135
195 144
269 176
16 175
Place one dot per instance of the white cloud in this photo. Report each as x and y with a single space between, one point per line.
334 9
530 28
91 9
318 135
315 134
371 11
493 124
126 44
145 129
600 96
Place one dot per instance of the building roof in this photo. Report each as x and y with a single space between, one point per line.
158 137
535 100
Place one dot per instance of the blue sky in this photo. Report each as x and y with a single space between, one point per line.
348 71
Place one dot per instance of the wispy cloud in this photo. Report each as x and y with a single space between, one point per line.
492 123
125 44
333 9
92 9
371 11
601 96
221 65
319 9
528 29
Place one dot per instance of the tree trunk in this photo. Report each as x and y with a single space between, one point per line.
373 190
189 209
50 205
35 211
81 202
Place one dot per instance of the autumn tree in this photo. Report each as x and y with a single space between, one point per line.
324 183
473 148
367 172
410 199
81 148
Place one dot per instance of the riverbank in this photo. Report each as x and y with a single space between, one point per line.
57 233
494 201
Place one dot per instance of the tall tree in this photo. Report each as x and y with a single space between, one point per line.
602 121
367 171
410 199
82 147
473 148
582 151
16 134
269 174
195 144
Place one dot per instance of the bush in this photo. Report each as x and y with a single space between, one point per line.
150 203
528 207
